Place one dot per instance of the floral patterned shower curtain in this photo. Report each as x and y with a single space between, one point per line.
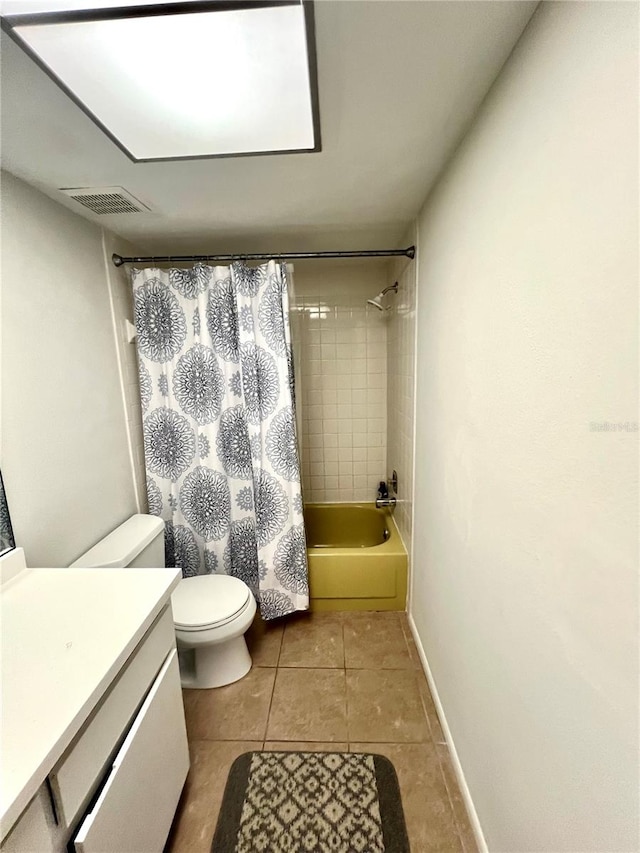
216 385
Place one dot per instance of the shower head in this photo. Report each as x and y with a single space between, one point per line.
376 304
377 300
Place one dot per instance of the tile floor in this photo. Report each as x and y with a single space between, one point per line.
326 681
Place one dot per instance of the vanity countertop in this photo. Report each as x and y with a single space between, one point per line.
65 634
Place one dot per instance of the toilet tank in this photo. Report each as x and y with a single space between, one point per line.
137 543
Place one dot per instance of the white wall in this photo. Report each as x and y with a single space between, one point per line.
65 452
121 299
525 549
342 348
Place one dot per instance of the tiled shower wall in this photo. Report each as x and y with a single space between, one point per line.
342 379
401 336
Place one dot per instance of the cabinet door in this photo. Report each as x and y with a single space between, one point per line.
76 776
134 810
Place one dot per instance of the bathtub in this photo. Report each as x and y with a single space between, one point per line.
356 558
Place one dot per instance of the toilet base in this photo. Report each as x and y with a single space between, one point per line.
216 665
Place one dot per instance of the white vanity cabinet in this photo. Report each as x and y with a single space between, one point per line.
114 787
36 830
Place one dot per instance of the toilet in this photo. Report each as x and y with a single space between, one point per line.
211 613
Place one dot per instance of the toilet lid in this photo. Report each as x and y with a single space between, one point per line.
207 600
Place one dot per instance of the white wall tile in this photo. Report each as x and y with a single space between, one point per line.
343 354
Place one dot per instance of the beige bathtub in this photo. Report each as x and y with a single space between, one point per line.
356 558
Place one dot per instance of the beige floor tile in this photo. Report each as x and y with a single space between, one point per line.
385 707
197 813
189 700
404 620
468 839
303 746
435 728
308 705
238 711
312 704
431 826
459 809
375 641
264 640
428 814
415 763
313 640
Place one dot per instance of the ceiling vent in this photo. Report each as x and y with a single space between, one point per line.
105 200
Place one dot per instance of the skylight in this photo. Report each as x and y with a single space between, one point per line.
176 83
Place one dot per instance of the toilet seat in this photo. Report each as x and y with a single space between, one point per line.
208 601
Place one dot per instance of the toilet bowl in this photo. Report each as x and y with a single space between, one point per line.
210 612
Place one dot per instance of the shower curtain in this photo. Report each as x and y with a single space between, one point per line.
217 392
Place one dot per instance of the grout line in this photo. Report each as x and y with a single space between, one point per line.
273 690
443 776
346 687
386 742
450 793
280 644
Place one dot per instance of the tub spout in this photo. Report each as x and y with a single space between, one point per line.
382 503
384 500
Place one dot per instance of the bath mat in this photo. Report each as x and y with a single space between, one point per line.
290 802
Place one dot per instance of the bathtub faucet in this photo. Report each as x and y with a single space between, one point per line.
383 500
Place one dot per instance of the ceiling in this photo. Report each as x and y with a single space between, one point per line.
399 82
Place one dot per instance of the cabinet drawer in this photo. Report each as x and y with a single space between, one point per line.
74 778
134 810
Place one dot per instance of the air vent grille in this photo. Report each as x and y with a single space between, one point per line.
105 200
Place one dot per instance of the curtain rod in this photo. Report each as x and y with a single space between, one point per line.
409 252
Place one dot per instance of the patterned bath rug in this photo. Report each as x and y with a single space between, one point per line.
311 802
